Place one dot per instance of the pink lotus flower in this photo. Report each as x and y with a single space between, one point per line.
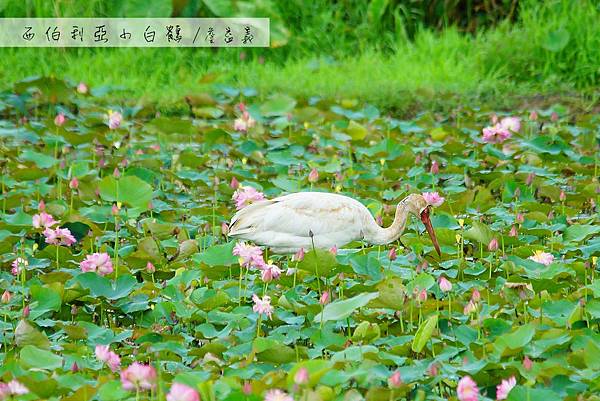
74 183
333 250
469 308
114 119
395 380
262 306
243 123
234 184
150 268
111 359
277 395
12 388
270 272
511 123
392 254
504 388
445 284
422 296
43 220
433 198
435 167
18 265
102 352
325 298
59 236
529 179
520 218
496 134
313 176
562 197
6 297
467 389
301 376
244 196
544 258
513 232
493 245
114 362
533 116
82 88
299 256
433 370
476 295
138 376
60 119
527 363
97 262
249 255
181 392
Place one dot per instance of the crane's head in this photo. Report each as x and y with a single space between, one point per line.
420 207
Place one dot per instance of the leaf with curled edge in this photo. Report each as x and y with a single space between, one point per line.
27 334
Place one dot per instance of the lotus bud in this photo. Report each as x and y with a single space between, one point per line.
6 297
150 268
520 218
60 119
533 116
493 245
392 255
224 228
82 88
74 183
395 380
527 363
470 308
313 176
301 376
445 284
529 179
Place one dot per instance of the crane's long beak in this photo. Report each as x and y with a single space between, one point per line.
425 219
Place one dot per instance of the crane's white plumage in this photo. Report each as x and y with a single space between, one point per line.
286 223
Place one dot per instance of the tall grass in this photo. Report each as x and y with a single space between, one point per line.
344 49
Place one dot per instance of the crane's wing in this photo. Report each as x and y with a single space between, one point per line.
287 221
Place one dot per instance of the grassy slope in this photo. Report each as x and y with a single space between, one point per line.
498 67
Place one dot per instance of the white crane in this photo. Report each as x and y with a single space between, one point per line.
290 222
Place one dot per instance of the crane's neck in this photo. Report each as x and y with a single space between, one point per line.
378 235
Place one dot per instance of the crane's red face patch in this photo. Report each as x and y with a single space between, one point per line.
427 222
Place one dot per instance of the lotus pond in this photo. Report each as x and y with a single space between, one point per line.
119 281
